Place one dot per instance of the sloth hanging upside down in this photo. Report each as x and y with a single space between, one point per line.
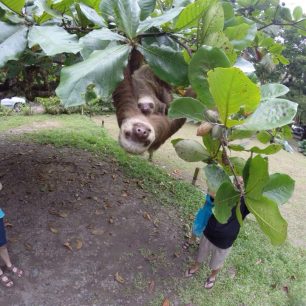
141 101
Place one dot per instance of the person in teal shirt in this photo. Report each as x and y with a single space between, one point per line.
4 279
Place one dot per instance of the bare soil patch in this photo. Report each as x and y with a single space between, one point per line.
113 231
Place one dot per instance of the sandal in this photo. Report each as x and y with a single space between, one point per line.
209 283
16 271
186 245
8 283
191 272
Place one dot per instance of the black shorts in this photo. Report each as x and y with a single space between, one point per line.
3 240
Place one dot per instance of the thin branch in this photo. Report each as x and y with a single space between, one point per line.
294 24
237 182
181 44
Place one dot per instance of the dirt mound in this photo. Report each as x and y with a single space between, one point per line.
84 233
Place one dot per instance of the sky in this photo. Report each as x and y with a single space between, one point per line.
293 3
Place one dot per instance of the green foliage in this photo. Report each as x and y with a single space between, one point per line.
12 46
215 176
225 200
167 64
271 114
237 91
190 150
273 91
53 40
189 108
14 5
205 59
5 111
76 78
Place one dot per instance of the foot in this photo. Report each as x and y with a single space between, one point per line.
209 282
6 282
192 271
16 271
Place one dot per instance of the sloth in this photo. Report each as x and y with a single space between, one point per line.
152 94
142 131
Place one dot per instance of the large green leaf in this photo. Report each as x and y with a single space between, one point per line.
158 21
187 108
98 40
212 145
190 150
14 5
103 68
168 64
273 91
13 46
7 30
269 218
205 59
53 40
92 15
53 10
220 40
125 12
241 35
213 21
231 90
297 13
264 137
225 200
238 164
271 149
146 8
270 114
215 176
258 177
279 188
240 134
92 3
189 17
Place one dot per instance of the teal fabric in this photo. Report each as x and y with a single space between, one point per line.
1 213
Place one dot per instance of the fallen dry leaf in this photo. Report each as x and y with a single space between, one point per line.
124 194
119 278
68 246
53 229
79 244
28 246
259 261
166 302
98 231
177 254
99 212
147 216
58 213
151 286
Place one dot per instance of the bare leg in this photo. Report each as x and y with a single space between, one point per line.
5 256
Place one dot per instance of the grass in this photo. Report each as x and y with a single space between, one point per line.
265 275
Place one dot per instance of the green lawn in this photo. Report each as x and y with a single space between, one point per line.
265 275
